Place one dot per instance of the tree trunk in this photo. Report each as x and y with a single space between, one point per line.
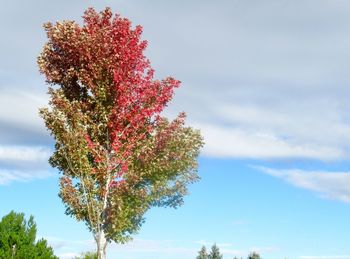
101 237
101 245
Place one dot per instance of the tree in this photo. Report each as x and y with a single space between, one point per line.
87 255
118 156
215 253
202 254
17 239
254 255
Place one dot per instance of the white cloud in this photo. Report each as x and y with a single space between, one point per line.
221 141
239 222
330 185
68 255
227 249
148 248
153 246
68 248
324 257
24 153
23 163
57 242
260 82
273 86
21 108
8 176
207 243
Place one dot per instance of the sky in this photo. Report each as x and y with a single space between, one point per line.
266 82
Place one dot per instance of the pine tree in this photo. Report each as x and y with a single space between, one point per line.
254 255
202 254
215 253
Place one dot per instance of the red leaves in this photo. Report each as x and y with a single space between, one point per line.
89 142
93 51
101 65
117 154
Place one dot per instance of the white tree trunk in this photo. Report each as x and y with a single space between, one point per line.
101 237
101 245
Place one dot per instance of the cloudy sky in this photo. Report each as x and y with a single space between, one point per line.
268 84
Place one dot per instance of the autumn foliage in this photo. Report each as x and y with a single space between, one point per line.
118 156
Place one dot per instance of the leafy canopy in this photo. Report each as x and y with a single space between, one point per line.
118 156
17 238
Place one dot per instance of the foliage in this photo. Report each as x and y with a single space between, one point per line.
117 155
17 238
254 255
202 254
215 253
87 255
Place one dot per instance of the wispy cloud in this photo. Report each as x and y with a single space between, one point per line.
59 243
68 255
228 249
23 163
68 248
21 107
24 153
154 246
324 257
280 97
8 176
148 248
239 222
208 243
252 98
223 141
331 185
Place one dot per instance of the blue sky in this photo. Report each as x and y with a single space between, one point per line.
267 83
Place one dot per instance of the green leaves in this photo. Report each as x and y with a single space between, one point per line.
17 239
117 155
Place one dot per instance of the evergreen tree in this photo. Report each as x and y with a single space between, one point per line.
254 255
87 255
202 254
17 239
215 253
